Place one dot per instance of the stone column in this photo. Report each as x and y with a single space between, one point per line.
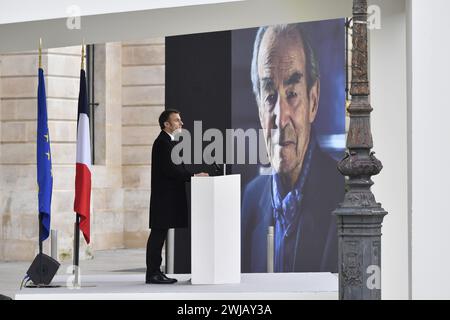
107 192
359 217
143 82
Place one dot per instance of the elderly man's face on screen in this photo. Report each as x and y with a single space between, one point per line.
286 107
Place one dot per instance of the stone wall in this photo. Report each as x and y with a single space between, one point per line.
19 227
129 87
16 156
2 198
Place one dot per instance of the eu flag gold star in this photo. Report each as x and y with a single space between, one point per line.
46 136
48 155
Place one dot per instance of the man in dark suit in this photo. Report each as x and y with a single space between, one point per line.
168 202
299 197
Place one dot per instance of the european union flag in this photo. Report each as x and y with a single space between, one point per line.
44 160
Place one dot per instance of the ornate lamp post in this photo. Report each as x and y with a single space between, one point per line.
359 217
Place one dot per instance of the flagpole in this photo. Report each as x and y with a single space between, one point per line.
40 216
82 55
40 53
40 248
76 256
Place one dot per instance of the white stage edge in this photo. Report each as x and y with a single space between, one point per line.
274 286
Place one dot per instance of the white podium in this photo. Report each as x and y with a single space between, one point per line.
216 230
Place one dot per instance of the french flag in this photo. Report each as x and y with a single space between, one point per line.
83 169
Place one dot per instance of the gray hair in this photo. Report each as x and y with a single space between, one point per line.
312 63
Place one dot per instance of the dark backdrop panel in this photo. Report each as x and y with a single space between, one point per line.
198 83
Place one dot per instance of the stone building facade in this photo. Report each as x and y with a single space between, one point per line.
129 88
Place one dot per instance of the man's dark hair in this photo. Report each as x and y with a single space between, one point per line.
312 63
165 116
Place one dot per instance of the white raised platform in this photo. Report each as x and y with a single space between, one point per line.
287 286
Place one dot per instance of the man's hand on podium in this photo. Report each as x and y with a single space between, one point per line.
201 174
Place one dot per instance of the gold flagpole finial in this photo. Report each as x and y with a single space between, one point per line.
82 55
40 53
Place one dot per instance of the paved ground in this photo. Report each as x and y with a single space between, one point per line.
104 262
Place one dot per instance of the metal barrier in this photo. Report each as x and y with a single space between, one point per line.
270 249
54 244
170 251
